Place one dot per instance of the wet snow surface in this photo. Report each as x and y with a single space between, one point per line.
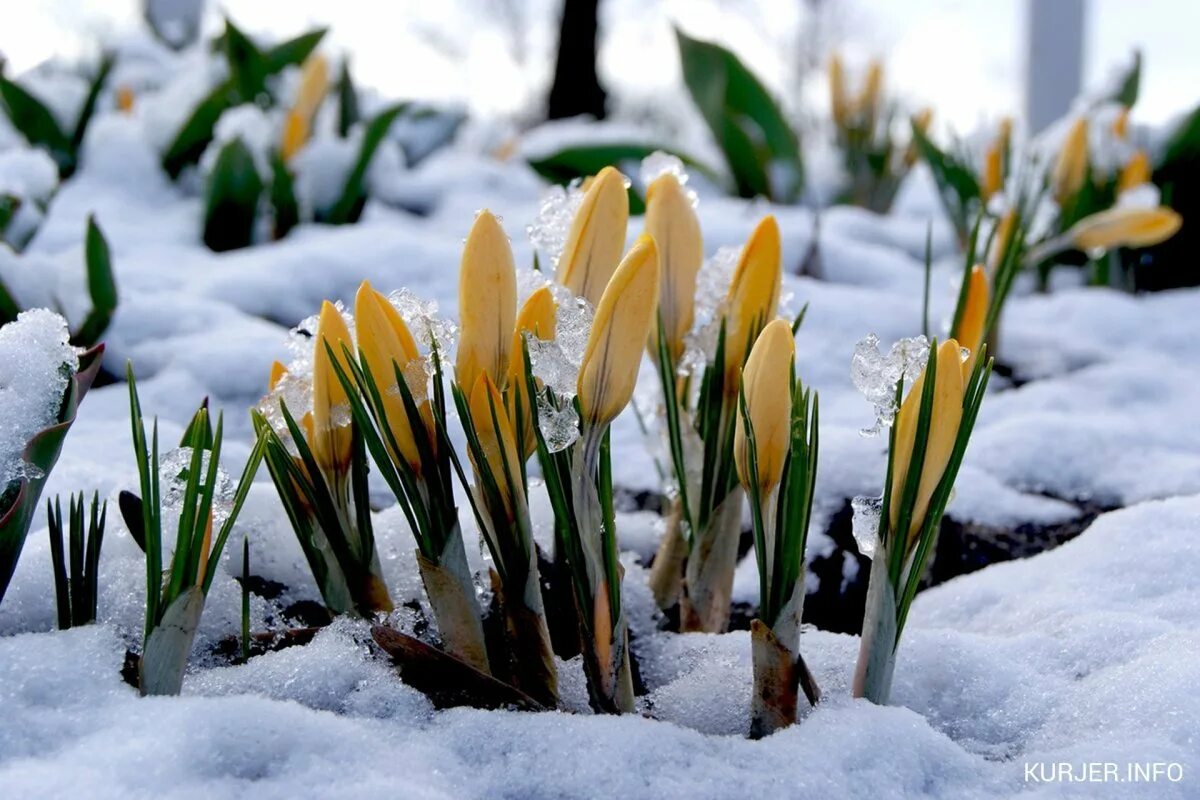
1090 652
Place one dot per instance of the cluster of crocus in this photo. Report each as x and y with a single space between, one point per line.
775 451
874 160
696 560
928 440
175 597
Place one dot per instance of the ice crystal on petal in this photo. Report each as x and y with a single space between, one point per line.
421 317
548 231
865 523
658 164
876 375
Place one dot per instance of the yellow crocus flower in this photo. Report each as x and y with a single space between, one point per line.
970 327
487 303
671 222
1070 170
385 343
1125 227
596 237
753 296
993 171
623 321
314 82
331 425
943 431
767 383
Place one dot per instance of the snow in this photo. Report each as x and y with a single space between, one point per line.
37 363
1088 652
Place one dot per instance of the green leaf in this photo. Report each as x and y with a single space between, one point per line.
760 147
197 131
957 185
293 51
247 65
89 104
102 286
231 199
354 196
283 198
35 122
348 114
1127 93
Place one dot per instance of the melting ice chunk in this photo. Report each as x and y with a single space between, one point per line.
548 231
864 523
712 286
173 469
876 375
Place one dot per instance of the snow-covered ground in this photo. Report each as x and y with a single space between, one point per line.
1088 653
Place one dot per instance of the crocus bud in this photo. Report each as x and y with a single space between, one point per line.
124 99
331 407
753 296
944 420
623 321
487 303
1125 227
839 102
1070 170
495 435
536 318
385 344
767 384
993 171
295 135
596 237
671 222
1120 126
1005 229
1135 173
314 83
872 93
970 327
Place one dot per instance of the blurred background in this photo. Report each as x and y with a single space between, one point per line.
970 58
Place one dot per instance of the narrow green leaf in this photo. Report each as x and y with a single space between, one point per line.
350 204
231 199
102 286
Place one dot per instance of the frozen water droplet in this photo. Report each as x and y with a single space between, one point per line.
559 427
865 523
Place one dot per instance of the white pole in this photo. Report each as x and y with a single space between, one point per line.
1054 69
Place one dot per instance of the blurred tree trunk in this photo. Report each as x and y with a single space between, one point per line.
577 88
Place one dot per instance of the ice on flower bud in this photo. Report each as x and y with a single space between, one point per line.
767 384
1135 173
1125 227
1070 170
970 327
943 431
753 296
537 319
624 318
672 222
386 344
487 303
596 237
495 435
331 428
